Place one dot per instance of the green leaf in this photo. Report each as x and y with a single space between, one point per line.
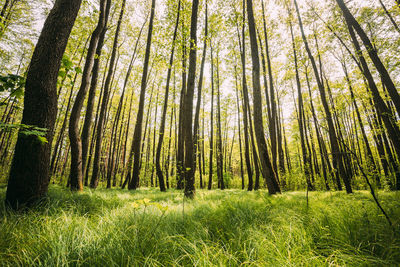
78 70
62 73
42 140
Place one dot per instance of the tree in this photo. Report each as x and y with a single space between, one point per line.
137 135
29 174
266 166
386 79
189 168
99 131
196 132
220 173
76 172
336 153
164 111
306 157
242 45
90 104
210 162
273 115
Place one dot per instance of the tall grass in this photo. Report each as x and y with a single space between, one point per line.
229 228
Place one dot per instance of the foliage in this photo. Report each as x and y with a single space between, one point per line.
27 130
67 70
13 84
219 228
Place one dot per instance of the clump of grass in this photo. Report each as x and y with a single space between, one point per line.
218 228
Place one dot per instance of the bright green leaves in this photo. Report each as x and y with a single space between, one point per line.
67 70
27 130
14 84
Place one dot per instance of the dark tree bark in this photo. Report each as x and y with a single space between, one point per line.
288 162
75 175
189 169
137 135
266 166
239 130
203 153
220 173
281 154
242 45
127 76
29 174
99 138
119 144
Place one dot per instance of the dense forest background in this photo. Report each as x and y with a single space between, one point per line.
294 95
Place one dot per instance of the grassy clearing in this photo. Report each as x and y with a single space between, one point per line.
230 228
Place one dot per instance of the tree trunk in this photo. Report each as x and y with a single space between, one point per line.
220 173
165 107
387 116
196 131
239 130
137 135
387 80
266 166
60 137
29 174
370 158
76 180
154 143
210 163
91 101
306 158
336 153
189 168
274 114
390 16
181 142
245 104
99 138
321 143
254 151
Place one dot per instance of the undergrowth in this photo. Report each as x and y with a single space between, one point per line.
218 228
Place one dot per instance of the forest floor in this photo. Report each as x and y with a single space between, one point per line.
218 228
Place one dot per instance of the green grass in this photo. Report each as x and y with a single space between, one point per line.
229 228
